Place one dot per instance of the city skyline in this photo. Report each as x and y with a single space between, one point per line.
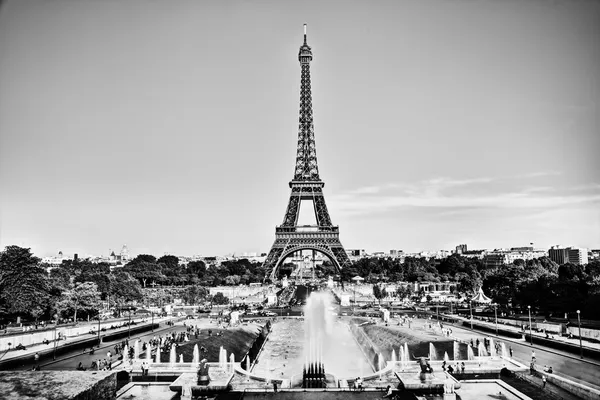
172 127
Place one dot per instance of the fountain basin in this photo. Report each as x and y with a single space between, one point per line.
219 381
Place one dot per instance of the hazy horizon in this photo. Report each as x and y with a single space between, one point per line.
172 126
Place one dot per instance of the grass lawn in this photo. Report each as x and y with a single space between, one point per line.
235 340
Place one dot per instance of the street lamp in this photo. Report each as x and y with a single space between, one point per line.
496 315
471 311
530 331
99 340
129 325
580 344
152 321
55 326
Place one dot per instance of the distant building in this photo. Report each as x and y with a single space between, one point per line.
578 256
461 248
495 260
571 255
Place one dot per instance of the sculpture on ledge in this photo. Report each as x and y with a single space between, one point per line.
203 378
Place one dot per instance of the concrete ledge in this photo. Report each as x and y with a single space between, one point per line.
585 392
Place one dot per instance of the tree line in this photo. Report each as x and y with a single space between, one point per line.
79 288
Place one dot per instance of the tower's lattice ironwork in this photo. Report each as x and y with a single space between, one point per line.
306 185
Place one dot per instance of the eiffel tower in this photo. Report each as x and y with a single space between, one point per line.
306 185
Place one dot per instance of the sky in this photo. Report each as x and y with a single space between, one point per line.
171 126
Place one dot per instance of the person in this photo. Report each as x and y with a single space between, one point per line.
450 369
462 367
543 381
533 355
510 351
358 384
36 357
389 393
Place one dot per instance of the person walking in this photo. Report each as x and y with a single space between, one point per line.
510 350
543 381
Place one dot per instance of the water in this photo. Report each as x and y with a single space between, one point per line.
126 354
158 354
149 354
481 350
492 348
503 350
455 351
196 355
173 355
136 350
288 346
432 352
393 356
470 355
446 358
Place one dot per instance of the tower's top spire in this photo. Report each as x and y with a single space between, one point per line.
304 33
305 53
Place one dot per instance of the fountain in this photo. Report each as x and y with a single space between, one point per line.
231 362
455 350
173 355
394 356
248 366
136 350
504 353
222 357
470 355
481 350
317 322
181 358
149 354
126 354
446 358
432 352
196 355
492 348
157 355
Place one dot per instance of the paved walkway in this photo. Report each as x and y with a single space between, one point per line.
41 347
574 340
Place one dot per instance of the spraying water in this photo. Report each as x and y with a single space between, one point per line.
136 350
492 348
158 355
317 334
481 350
446 358
196 355
394 356
173 355
470 355
126 354
503 349
432 352
455 350
149 354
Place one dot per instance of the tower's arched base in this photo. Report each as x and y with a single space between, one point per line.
289 241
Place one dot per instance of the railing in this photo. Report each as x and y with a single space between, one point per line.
306 228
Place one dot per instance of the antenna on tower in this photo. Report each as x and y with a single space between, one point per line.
304 33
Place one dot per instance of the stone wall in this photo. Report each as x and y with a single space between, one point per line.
366 345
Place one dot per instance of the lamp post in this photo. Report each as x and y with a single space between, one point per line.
579 325
152 321
55 326
129 325
496 315
530 331
471 311
99 340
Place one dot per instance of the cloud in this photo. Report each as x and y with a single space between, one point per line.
446 193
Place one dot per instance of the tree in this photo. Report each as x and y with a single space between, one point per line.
378 293
193 294
24 284
124 288
80 296
169 261
220 299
